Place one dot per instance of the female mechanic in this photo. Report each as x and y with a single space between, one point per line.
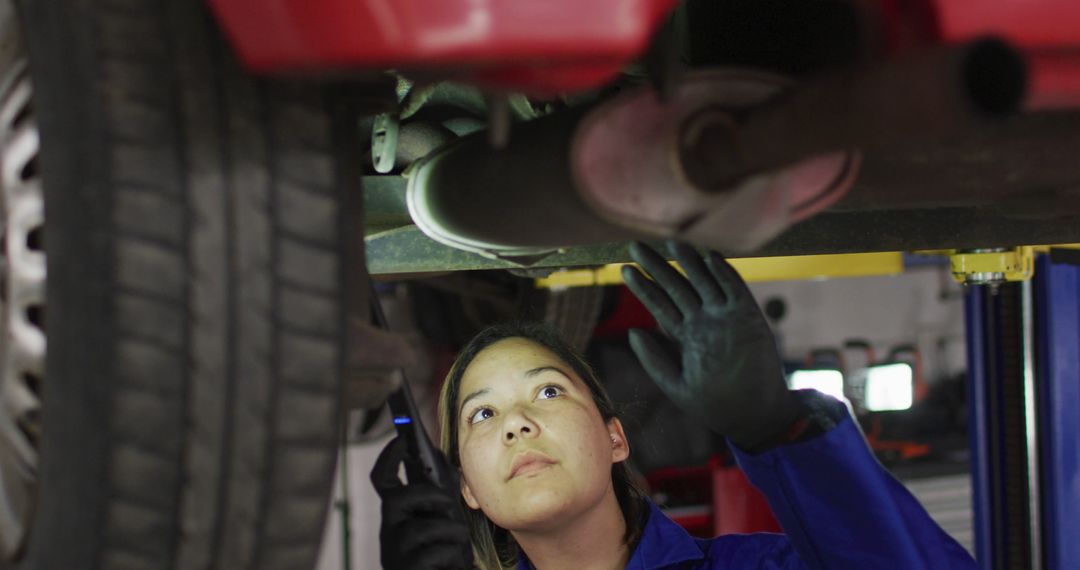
542 456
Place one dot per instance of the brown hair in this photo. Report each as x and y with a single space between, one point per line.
494 547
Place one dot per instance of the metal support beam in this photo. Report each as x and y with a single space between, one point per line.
1057 319
395 245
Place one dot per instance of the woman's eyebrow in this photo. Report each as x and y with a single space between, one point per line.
539 369
480 392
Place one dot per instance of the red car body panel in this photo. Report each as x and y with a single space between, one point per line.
554 46
546 46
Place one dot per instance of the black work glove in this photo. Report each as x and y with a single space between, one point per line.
422 528
724 367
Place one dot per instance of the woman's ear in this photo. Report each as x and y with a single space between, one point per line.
620 447
466 493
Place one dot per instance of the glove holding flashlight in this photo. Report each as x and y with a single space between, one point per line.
421 529
721 362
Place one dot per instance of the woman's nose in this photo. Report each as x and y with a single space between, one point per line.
523 431
518 425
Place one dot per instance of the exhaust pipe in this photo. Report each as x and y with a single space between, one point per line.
919 98
728 161
516 201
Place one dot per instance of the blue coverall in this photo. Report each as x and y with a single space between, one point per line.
839 509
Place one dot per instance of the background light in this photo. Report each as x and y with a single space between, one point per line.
827 381
889 387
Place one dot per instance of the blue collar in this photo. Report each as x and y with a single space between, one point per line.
663 544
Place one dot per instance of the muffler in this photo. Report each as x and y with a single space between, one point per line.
727 161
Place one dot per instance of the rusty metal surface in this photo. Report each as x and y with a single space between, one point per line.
407 250
916 229
917 98
1029 166
1015 184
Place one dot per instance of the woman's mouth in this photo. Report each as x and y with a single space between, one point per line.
531 468
529 462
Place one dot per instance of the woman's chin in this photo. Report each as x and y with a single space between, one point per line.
538 507
550 504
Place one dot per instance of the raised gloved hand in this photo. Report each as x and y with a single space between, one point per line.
723 365
421 529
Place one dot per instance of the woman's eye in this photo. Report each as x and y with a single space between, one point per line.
550 392
481 415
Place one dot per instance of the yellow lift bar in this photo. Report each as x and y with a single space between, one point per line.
753 269
969 267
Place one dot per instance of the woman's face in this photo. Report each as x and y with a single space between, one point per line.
534 449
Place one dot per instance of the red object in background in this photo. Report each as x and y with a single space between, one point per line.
687 493
738 507
713 499
542 47
628 314
899 449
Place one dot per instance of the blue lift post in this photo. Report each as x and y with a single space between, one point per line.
1057 318
1024 418
978 409
999 358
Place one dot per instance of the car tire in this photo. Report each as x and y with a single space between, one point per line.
201 233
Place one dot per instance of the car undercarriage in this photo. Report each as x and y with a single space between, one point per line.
198 194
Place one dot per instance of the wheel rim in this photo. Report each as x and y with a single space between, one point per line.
22 302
